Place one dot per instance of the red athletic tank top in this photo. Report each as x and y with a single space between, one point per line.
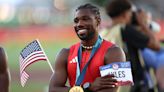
93 68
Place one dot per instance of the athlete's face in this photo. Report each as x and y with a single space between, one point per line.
85 24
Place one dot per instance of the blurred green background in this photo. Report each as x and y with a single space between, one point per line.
40 72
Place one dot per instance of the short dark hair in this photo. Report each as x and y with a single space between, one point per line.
91 7
117 7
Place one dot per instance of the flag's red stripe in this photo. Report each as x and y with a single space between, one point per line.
32 54
25 75
24 78
29 57
32 61
32 57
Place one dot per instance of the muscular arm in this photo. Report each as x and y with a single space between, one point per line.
59 78
114 54
4 76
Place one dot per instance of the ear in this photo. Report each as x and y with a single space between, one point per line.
98 20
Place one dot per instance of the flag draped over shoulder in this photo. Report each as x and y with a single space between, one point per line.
30 54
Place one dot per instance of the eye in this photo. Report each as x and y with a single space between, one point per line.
76 20
86 18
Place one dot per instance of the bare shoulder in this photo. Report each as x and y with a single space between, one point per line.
114 54
115 50
3 61
63 53
1 50
61 58
2 54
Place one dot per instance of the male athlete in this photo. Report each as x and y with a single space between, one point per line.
80 63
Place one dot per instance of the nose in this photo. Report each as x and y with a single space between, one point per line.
80 24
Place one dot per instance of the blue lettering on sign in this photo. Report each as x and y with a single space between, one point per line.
120 64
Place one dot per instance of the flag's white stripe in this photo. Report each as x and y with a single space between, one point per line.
32 56
20 59
31 61
24 75
20 62
24 78
22 83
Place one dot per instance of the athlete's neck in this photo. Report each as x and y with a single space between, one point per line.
90 42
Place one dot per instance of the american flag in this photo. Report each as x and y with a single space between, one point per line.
30 54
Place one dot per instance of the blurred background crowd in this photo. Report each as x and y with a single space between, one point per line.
53 12
50 21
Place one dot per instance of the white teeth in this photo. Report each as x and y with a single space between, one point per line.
82 31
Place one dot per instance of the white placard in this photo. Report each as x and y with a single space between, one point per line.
121 71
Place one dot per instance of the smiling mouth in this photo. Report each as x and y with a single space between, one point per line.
82 31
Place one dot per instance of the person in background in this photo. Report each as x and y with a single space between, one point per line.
141 24
4 74
131 40
152 59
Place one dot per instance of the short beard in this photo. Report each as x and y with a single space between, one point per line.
87 37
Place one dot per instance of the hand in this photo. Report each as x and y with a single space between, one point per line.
105 82
142 18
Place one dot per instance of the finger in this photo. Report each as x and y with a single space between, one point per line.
109 75
107 86
107 83
108 79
